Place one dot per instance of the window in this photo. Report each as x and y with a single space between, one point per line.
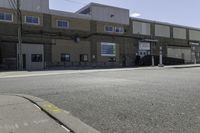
112 59
83 58
8 17
32 20
65 58
108 49
119 29
108 28
36 57
62 24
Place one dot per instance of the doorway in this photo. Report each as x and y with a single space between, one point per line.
24 61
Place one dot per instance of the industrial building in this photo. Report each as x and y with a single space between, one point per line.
94 36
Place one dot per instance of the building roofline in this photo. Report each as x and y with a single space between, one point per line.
69 14
164 23
97 4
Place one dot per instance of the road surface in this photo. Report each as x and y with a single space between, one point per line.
121 101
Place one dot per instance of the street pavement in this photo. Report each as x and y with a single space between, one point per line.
121 101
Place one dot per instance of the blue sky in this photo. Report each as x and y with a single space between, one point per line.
183 12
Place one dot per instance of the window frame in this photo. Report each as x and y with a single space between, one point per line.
4 20
65 58
122 28
113 28
25 20
62 21
37 61
82 55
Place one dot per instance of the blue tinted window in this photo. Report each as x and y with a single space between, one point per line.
109 28
32 20
5 16
1 16
35 20
62 24
8 17
119 29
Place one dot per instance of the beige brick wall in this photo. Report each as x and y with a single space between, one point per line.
70 47
75 24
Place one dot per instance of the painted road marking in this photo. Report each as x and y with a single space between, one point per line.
65 128
51 108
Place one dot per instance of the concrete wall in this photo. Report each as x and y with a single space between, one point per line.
194 35
28 50
29 5
69 47
141 28
162 30
110 14
179 33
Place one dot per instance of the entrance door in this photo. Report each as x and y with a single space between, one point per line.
143 53
24 61
144 49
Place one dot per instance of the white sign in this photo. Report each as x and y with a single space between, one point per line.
144 46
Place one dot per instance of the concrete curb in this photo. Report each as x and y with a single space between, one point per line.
183 66
63 117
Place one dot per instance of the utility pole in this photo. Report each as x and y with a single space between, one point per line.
19 45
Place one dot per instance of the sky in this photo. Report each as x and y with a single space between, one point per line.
181 12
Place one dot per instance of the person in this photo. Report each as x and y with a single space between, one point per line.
137 59
124 61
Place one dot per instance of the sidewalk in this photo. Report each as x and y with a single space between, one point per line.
27 114
184 66
18 74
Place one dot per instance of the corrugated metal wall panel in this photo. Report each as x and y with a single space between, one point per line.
179 33
194 35
141 28
162 30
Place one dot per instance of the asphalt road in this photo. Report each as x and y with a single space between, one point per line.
132 101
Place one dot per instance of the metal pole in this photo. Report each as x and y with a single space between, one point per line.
19 47
153 64
161 58
194 55
152 57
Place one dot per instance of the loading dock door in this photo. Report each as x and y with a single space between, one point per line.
180 53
